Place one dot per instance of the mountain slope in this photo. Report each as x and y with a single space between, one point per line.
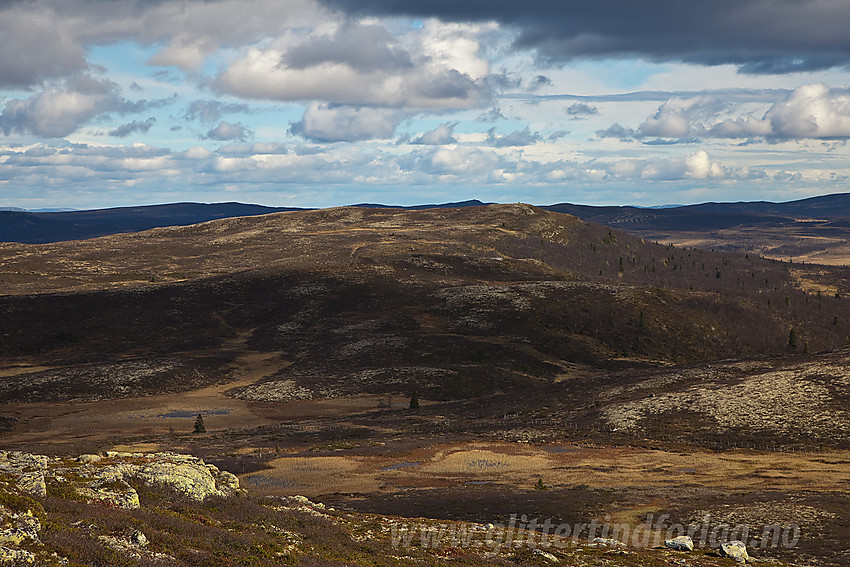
808 230
450 302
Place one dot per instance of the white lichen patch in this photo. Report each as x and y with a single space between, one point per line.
275 391
758 514
786 401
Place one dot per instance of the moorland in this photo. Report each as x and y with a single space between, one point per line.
564 370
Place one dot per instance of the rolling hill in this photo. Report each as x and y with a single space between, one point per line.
815 230
452 302
629 378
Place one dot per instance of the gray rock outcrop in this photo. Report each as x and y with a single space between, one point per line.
107 480
681 543
33 483
736 550
545 555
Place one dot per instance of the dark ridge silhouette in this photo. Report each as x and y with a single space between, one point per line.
41 228
715 216
456 205
828 214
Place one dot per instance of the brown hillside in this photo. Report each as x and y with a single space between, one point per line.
449 302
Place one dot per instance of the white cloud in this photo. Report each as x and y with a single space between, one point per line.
336 123
48 40
441 135
809 112
579 110
362 64
60 109
673 119
228 131
132 127
524 137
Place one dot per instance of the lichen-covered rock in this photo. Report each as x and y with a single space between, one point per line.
545 555
134 546
33 483
736 550
224 479
607 542
681 543
16 462
15 557
89 458
186 474
190 477
114 493
138 538
123 455
24 527
108 479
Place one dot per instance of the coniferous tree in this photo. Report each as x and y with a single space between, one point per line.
199 424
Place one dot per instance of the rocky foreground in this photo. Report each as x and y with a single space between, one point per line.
120 508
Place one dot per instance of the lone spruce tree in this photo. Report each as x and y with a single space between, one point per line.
199 424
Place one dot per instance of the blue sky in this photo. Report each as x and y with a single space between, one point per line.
315 103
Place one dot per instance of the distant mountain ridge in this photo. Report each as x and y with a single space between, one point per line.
41 228
828 213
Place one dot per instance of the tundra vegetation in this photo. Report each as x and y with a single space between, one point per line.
638 379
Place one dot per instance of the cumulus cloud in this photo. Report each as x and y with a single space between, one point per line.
227 131
33 47
491 115
59 110
132 127
579 110
363 47
340 123
64 168
539 82
811 111
460 162
208 111
441 135
524 137
695 166
48 40
676 117
362 64
760 36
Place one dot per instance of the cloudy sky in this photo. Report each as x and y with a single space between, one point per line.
333 102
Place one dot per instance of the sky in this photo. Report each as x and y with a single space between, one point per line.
317 103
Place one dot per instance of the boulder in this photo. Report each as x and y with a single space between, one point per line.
115 493
224 479
545 555
681 543
186 474
194 481
607 542
89 458
138 538
16 462
736 550
33 483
